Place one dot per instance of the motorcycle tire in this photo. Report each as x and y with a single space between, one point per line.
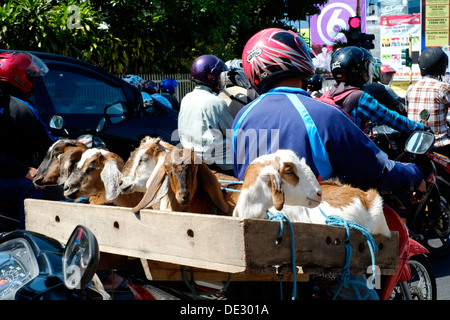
423 281
421 286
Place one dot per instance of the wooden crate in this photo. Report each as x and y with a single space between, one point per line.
214 245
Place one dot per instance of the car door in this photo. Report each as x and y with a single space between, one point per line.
82 96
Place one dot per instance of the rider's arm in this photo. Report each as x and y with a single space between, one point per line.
356 158
11 168
370 108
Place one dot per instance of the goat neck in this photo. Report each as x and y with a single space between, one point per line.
141 163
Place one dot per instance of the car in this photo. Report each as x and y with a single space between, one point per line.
84 94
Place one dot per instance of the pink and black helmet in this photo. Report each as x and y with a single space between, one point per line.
273 54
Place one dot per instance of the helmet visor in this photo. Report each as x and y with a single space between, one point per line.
387 78
37 67
224 81
370 73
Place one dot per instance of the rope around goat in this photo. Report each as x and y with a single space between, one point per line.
345 277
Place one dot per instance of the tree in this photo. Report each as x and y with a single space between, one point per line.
158 36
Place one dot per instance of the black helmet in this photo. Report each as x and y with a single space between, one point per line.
433 61
352 66
315 83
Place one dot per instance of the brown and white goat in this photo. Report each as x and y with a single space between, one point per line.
141 163
282 182
96 176
58 162
183 182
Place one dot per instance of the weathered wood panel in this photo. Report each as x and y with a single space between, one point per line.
208 242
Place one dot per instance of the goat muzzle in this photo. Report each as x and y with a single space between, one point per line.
71 192
183 197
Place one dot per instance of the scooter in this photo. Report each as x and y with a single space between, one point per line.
415 278
91 140
431 217
35 267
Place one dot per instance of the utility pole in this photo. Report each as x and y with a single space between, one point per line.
410 53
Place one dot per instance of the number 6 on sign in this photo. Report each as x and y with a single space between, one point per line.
332 19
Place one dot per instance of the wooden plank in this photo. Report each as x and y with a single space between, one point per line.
167 271
318 248
208 242
180 238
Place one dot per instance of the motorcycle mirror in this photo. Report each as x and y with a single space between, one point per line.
116 112
424 115
419 142
80 258
101 125
56 122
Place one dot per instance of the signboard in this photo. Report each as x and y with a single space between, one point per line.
436 23
325 27
396 33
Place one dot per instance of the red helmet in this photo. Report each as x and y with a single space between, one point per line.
18 69
273 54
386 74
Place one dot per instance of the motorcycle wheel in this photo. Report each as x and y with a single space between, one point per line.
435 229
421 286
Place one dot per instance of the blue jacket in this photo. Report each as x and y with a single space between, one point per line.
272 122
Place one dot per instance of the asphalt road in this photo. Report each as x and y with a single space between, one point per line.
441 268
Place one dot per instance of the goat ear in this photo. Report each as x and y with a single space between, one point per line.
211 185
158 187
277 191
110 176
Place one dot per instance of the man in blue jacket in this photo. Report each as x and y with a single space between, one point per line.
278 65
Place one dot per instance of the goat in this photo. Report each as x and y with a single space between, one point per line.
96 176
283 182
183 182
58 162
139 166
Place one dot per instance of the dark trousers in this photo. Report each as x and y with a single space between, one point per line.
15 190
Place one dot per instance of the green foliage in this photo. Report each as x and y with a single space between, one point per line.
159 36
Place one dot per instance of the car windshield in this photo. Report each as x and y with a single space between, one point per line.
72 92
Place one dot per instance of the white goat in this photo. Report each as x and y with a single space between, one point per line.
141 163
282 182
96 176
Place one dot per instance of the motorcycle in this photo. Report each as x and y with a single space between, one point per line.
36 267
91 140
415 279
431 217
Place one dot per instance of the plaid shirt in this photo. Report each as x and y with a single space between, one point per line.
370 109
431 94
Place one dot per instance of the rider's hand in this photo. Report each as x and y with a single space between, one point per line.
420 193
428 129
31 173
